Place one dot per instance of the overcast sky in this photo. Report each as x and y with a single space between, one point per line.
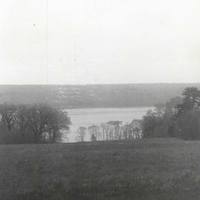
99 41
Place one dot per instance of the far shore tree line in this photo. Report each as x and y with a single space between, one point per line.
38 123
180 117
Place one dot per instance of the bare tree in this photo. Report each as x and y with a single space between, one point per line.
94 132
116 126
81 133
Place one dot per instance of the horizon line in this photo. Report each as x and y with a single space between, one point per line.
90 84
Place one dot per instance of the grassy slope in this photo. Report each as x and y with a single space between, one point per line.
146 170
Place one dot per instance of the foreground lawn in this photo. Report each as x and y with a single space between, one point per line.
164 169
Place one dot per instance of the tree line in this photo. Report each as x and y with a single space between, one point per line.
39 123
112 130
180 117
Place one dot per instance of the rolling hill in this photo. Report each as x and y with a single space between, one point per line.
92 96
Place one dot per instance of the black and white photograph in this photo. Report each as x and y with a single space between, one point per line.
99 100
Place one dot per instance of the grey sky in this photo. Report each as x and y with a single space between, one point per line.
99 41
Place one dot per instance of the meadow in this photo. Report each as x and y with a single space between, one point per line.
149 169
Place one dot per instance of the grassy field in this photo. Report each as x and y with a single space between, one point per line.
164 169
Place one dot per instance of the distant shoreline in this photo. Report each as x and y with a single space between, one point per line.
104 84
123 107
